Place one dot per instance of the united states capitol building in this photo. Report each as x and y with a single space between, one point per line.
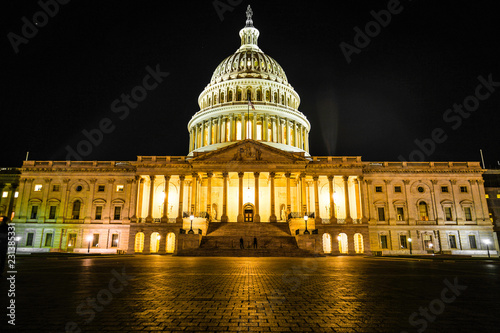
249 175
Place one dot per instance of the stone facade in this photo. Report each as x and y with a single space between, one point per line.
249 161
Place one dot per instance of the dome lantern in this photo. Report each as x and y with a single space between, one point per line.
249 34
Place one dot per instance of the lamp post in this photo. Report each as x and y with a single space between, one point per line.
191 229
89 239
487 242
409 240
306 232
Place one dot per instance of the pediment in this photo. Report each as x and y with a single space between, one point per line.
249 152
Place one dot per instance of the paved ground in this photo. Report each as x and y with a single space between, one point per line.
332 294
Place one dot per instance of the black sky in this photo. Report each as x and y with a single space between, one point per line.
395 91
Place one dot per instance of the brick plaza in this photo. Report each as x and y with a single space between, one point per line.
186 294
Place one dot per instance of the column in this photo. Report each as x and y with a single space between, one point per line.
222 129
295 137
64 200
288 195
202 143
223 217
219 130
257 194
46 189
133 200
364 210
306 140
209 195
333 218
181 195
149 218
317 218
272 218
164 218
141 198
191 139
348 218
194 183
196 135
264 128
209 139
254 132
303 193
88 213
232 125
240 196
280 134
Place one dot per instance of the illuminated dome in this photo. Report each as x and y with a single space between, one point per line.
226 116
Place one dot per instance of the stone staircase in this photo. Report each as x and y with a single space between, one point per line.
223 239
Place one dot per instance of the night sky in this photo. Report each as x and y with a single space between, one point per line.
396 89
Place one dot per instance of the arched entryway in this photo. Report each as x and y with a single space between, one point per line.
155 242
248 210
170 243
358 243
327 243
343 247
139 242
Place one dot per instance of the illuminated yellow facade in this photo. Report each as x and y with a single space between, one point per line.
249 162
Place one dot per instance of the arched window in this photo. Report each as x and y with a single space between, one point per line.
230 96
221 97
327 243
139 242
343 246
75 214
259 95
170 243
238 95
155 242
268 96
423 211
249 95
358 243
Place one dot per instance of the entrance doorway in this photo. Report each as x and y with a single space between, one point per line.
248 213
71 242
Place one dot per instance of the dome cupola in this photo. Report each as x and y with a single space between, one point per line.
249 97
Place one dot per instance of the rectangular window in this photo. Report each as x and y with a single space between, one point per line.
56 188
52 212
400 213
453 241
498 196
101 188
383 241
29 238
403 241
34 212
468 214
119 188
5 194
95 240
472 242
397 189
444 189
117 215
38 187
463 189
487 196
16 194
428 242
447 214
381 213
48 239
378 189
114 240
98 212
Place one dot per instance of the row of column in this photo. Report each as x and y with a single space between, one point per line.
224 129
257 217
